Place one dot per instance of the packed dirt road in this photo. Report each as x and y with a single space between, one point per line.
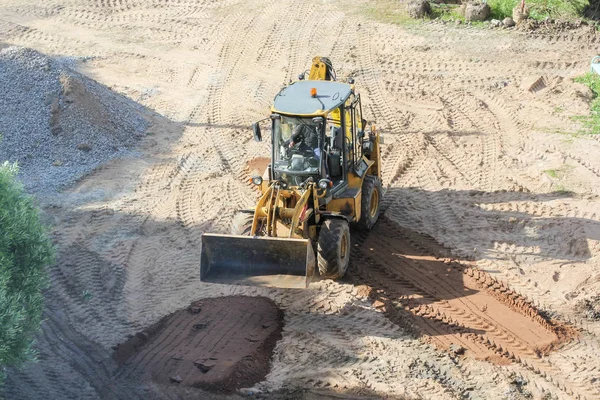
479 280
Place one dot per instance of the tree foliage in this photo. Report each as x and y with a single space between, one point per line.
25 251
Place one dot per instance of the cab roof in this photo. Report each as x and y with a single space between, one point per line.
295 98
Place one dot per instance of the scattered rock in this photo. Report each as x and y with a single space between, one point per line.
457 349
363 291
458 22
476 11
418 8
176 379
508 21
378 304
195 307
590 308
495 23
202 367
528 25
84 147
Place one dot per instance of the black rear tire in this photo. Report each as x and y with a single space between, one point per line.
370 205
242 224
333 249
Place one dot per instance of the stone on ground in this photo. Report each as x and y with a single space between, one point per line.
508 21
418 8
476 11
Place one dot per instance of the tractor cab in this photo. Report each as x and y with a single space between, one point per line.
318 132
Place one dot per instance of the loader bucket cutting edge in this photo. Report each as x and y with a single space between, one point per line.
256 261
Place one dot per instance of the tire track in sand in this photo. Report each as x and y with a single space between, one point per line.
460 308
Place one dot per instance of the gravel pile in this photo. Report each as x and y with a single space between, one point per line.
57 124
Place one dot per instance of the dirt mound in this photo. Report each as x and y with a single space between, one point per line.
219 344
551 26
59 125
475 11
418 8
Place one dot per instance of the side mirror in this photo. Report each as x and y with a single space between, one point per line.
256 130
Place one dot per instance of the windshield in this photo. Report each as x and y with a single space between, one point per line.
296 149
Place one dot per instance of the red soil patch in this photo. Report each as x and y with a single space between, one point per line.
219 344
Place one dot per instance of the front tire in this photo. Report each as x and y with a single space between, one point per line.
333 249
242 224
370 203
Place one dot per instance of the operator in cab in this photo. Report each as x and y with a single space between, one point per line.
306 137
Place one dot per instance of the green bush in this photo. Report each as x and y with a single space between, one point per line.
592 121
25 251
539 9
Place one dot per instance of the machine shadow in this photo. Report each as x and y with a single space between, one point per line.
407 273
519 220
411 277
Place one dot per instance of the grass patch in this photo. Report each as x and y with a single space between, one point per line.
559 173
552 173
591 122
389 11
539 9
445 12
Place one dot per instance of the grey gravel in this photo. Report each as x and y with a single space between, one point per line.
59 125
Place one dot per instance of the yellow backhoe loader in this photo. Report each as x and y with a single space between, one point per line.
324 176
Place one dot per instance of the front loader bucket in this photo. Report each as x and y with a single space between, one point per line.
256 261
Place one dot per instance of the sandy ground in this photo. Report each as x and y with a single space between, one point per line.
486 187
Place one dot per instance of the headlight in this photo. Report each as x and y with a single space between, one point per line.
257 180
324 184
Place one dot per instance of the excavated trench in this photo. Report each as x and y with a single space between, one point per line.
219 344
